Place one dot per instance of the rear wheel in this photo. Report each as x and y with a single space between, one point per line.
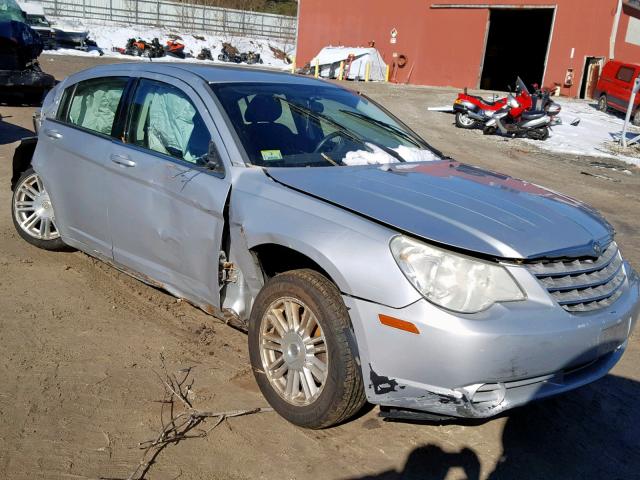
541 133
636 118
603 104
33 214
463 120
300 350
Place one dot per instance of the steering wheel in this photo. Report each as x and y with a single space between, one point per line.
323 143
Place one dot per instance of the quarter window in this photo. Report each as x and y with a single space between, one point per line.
165 120
625 74
95 102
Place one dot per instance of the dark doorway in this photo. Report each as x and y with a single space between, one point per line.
516 46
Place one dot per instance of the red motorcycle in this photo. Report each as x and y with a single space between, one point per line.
473 111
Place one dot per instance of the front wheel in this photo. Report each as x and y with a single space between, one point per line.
33 215
463 120
300 345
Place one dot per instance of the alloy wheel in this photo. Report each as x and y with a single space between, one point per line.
33 210
293 350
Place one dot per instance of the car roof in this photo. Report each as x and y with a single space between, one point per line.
214 73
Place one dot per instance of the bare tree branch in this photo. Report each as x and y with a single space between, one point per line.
178 425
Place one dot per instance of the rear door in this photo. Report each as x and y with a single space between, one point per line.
165 207
73 155
622 86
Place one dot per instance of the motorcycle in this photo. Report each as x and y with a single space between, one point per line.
205 54
229 54
532 124
472 110
250 58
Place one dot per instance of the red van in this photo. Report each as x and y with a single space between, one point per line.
615 86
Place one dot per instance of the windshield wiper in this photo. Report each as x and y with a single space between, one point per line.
384 125
342 129
319 116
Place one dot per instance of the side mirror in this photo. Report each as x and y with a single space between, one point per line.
214 161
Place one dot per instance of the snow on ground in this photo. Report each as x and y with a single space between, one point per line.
594 136
108 35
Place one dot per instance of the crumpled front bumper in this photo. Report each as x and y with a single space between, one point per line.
479 365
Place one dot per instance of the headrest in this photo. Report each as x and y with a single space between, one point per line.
263 108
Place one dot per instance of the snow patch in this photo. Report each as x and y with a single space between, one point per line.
108 35
591 136
377 156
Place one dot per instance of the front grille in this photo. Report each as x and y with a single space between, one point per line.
583 284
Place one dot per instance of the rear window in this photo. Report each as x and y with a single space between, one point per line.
625 74
94 103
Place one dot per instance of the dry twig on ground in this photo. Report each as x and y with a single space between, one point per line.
179 419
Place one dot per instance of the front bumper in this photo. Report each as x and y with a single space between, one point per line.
479 365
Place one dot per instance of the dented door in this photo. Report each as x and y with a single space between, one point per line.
166 213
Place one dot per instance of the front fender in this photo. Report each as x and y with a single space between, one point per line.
354 251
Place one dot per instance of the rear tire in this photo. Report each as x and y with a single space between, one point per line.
33 215
603 103
300 345
463 120
635 121
541 133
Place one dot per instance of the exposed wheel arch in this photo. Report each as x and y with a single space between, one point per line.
22 158
274 259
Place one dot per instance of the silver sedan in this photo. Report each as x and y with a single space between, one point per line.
365 264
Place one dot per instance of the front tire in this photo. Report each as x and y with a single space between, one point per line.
33 215
300 345
463 120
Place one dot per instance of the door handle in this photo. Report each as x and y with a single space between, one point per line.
53 134
123 160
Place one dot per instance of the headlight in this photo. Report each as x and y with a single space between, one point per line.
453 281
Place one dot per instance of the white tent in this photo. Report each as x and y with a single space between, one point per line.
329 60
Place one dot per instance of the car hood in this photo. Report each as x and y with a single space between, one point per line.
461 206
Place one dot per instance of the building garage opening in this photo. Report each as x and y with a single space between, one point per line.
516 46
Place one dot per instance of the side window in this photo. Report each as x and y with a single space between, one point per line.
164 119
625 74
61 114
94 103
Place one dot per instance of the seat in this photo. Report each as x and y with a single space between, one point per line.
532 115
263 131
482 100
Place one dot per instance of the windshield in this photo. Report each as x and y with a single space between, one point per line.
37 21
285 125
10 11
521 87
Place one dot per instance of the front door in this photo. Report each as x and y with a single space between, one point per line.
72 157
165 207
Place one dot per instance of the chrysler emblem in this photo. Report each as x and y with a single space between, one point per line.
597 249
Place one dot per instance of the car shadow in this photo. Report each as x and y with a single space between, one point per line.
10 133
590 433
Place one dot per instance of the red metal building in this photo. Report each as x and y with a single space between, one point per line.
480 43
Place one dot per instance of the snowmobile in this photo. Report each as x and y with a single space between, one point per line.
20 47
175 49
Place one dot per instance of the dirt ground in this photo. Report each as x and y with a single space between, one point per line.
79 342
